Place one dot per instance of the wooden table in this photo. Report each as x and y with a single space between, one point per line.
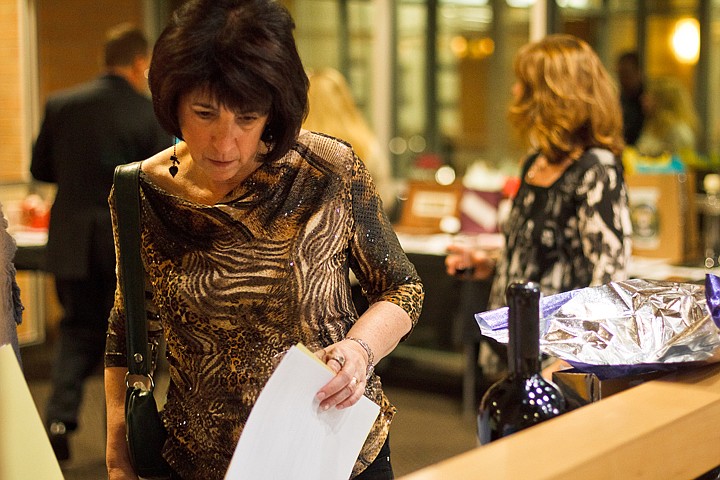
663 429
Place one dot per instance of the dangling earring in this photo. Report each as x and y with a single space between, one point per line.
267 139
173 158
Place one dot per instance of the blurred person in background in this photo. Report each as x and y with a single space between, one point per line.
333 111
671 122
632 86
569 224
10 305
86 132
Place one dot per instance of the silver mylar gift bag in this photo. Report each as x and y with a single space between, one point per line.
623 333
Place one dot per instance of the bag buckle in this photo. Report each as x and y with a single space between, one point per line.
139 381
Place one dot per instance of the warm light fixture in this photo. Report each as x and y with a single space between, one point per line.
579 4
476 48
520 3
685 40
445 175
459 46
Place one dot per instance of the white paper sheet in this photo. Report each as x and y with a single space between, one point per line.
288 436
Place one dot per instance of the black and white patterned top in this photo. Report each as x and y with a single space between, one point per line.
572 234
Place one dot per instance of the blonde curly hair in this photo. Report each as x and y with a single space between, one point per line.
565 100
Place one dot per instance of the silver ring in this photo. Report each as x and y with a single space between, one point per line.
353 383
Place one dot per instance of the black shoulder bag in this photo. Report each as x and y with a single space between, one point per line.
145 431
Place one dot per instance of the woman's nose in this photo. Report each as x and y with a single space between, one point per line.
225 136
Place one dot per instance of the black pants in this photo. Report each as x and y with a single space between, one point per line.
86 305
379 469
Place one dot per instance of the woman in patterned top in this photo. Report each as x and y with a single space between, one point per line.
569 226
249 229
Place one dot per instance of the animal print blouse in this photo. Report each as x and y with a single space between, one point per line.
573 234
234 285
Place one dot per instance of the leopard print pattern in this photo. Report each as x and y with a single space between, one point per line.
234 285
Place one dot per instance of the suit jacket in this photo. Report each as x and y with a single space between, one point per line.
86 132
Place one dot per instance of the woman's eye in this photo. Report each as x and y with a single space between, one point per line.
203 113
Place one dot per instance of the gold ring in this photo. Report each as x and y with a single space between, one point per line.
353 383
339 359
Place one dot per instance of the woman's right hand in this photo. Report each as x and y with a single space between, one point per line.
470 262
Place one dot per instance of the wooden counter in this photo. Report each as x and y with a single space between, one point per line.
663 429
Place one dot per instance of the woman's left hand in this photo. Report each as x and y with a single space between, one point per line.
349 362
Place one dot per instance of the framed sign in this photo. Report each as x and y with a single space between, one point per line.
427 204
664 216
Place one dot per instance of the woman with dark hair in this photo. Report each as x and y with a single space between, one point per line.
569 226
249 228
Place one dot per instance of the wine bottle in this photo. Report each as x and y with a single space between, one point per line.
522 398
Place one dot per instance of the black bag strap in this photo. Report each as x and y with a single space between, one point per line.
127 201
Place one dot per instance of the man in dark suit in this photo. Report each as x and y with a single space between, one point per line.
632 87
86 132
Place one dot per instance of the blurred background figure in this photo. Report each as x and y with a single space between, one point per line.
86 132
333 111
569 225
10 305
630 78
671 122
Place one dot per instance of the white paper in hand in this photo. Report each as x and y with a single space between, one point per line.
287 434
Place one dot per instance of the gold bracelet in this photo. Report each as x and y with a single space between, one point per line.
368 351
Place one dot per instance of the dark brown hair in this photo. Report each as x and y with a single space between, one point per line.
567 100
123 43
243 53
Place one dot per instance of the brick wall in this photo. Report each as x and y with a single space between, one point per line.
12 139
